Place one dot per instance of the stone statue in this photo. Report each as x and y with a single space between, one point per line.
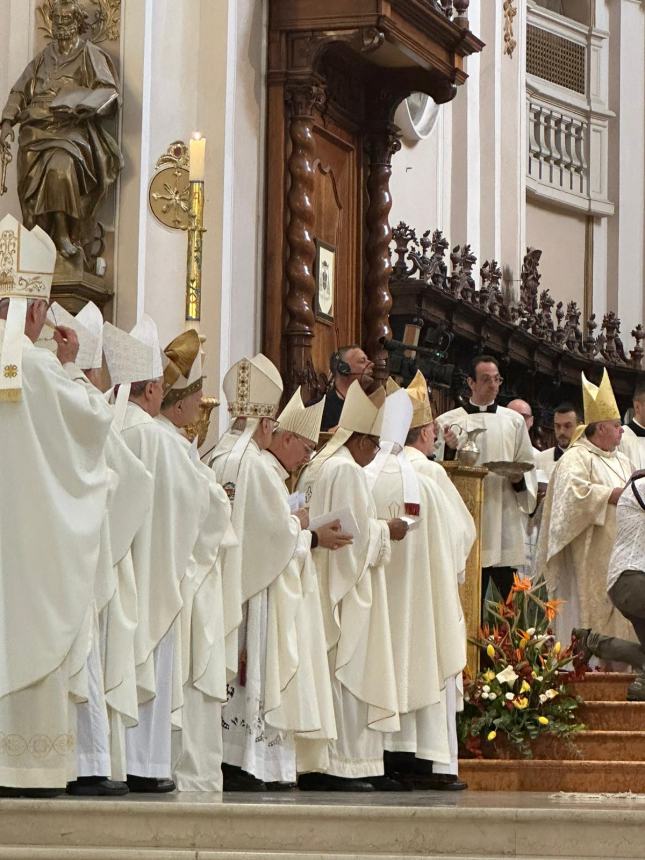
67 160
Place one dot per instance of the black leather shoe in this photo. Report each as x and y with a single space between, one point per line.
582 654
6 791
327 782
236 779
439 782
280 786
150 785
96 786
388 783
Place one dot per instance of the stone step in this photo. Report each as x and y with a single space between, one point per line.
541 775
613 716
595 746
602 686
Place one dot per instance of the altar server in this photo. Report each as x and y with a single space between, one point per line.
632 443
52 504
565 421
161 550
579 519
507 496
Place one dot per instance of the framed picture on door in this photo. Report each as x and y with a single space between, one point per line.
325 281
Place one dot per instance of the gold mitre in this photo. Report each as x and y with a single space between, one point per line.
27 262
599 400
391 386
301 419
418 391
253 388
362 414
182 375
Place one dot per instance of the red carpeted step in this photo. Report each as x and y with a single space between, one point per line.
536 775
613 716
602 686
594 746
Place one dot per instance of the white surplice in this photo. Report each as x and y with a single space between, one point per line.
506 439
633 446
577 536
161 554
52 507
357 627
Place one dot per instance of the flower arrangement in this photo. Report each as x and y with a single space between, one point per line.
520 694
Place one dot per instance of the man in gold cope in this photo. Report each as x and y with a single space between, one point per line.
579 517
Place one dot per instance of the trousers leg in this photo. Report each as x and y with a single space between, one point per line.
628 596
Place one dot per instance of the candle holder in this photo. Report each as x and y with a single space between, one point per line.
195 230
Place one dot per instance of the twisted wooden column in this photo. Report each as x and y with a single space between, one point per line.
381 145
302 99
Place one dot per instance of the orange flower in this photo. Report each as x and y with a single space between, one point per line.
521 584
552 607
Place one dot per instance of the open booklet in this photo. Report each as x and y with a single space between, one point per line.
348 523
84 100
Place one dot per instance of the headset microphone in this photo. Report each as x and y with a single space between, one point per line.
339 366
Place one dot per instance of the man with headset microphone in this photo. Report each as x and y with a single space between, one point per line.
346 364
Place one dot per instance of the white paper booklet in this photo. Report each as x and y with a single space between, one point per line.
347 522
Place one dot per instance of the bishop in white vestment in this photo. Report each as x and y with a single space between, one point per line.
354 598
161 550
579 519
197 759
52 507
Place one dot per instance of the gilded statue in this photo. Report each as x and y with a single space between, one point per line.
67 159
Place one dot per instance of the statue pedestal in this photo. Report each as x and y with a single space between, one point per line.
469 481
73 287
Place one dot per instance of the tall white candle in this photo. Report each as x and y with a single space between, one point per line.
197 158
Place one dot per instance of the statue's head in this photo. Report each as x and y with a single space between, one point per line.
68 19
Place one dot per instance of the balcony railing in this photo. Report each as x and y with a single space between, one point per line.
567 112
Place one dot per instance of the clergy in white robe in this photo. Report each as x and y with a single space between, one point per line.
632 444
111 703
258 571
52 505
197 749
507 496
161 551
423 575
579 519
354 598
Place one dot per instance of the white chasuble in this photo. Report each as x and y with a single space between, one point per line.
357 628
426 619
632 445
506 439
197 749
267 562
162 548
545 462
577 536
52 507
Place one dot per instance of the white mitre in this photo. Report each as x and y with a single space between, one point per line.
89 331
253 388
303 420
397 417
361 414
27 262
134 357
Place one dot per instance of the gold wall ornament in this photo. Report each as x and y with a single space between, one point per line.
103 19
510 42
194 259
169 191
200 427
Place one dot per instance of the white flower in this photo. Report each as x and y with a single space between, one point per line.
531 631
486 688
492 696
507 676
542 698
551 694
539 678
484 695
510 696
